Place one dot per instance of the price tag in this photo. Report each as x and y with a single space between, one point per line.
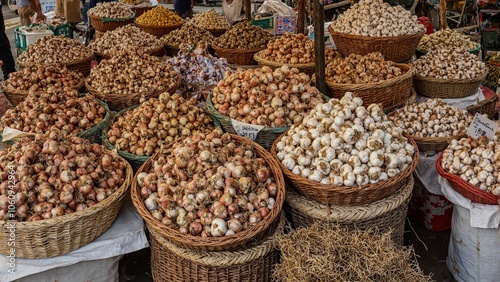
481 126
249 131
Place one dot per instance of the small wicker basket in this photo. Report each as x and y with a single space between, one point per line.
466 189
347 195
485 107
107 24
394 48
257 232
390 93
447 88
158 30
305 68
238 56
252 262
61 235
386 215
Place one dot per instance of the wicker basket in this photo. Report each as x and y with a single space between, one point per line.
103 25
485 107
253 262
493 76
447 88
61 235
390 93
394 48
118 101
156 30
466 189
257 232
409 101
305 68
217 32
158 52
347 195
82 66
386 215
474 51
238 56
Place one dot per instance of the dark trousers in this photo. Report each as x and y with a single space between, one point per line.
5 54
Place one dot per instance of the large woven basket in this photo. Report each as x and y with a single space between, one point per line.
466 189
118 101
257 232
238 56
394 48
61 235
158 52
82 66
252 262
156 30
386 215
305 68
409 101
390 93
347 195
484 107
447 88
103 25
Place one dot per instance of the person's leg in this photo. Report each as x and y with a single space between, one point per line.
8 65
24 15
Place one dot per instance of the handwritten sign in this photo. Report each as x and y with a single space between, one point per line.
249 131
481 126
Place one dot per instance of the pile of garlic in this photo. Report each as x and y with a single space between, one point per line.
449 64
342 143
475 161
377 18
433 118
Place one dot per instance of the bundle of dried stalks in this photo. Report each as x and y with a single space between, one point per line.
322 253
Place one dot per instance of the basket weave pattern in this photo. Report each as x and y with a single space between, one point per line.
466 189
305 68
103 26
394 48
257 232
61 235
238 56
447 88
255 262
386 215
156 30
485 107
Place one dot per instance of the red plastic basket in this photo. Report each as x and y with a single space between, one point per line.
466 189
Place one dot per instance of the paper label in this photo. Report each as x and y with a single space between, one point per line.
249 131
481 126
11 133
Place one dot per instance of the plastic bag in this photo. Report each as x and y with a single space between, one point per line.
275 7
232 11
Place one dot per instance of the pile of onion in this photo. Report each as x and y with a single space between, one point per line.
43 78
156 122
208 185
55 176
61 110
265 97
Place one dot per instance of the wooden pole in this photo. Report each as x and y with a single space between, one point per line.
442 14
301 16
248 9
319 45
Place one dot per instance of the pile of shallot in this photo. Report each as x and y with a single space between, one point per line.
156 122
55 176
208 185
343 143
43 78
265 97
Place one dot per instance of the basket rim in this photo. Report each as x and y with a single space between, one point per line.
237 50
131 18
159 26
409 73
261 60
119 193
223 242
373 38
487 198
348 189
454 81
482 103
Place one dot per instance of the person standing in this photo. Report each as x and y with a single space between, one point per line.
183 8
28 8
8 64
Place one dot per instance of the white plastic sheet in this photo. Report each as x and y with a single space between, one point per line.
427 173
126 235
232 11
461 103
275 7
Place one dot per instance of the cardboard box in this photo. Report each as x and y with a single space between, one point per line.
72 11
284 24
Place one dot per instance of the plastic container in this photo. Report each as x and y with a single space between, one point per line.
24 38
328 37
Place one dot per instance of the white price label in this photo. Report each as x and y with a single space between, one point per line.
249 131
481 126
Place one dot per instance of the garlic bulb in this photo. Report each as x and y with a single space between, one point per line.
449 64
475 161
433 118
446 39
338 147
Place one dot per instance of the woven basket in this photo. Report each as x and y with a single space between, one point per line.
104 25
409 101
217 32
394 48
257 232
82 66
347 195
305 68
158 52
156 30
17 96
466 189
118 101
493 76
253 262
390 93
485 107
141 10
238 56
61 235
386 215
447 88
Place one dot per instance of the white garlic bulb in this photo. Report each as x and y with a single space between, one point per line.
449 64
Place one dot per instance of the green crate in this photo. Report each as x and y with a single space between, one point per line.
22 40
264 23
64 30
